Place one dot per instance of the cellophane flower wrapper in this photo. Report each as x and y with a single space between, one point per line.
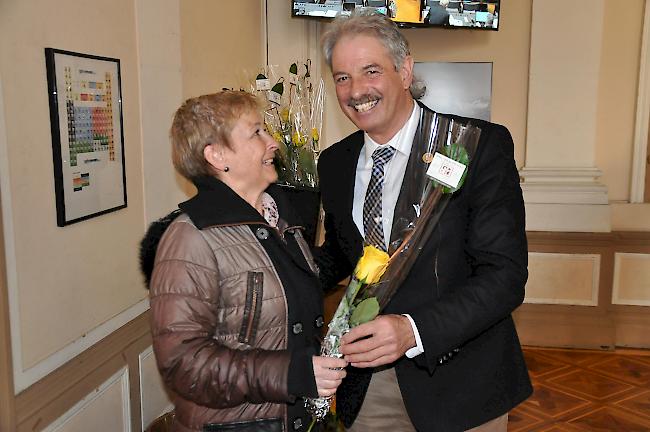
457 139
368 270
293 116
413 222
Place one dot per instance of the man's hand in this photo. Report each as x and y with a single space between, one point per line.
328 372
387 338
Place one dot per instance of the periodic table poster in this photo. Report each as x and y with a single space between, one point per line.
87 136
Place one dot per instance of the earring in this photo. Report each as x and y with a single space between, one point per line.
226 169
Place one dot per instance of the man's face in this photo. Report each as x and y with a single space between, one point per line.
371 93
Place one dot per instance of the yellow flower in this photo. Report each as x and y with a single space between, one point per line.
277 137
298 139
284 115
372 265
314 134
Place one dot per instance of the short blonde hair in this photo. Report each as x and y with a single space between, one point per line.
205 120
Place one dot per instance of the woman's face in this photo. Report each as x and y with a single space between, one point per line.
250 158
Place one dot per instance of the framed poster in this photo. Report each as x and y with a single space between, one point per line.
87 135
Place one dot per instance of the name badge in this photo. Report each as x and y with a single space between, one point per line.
446 170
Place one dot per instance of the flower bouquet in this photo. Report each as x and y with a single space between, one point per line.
350 312
444 148
294 117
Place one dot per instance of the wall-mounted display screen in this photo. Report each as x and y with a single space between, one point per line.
410 13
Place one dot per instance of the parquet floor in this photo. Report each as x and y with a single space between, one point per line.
585 391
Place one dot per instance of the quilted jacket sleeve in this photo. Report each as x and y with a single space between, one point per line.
184 295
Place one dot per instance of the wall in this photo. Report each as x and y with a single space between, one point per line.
220 44
87 270
161 93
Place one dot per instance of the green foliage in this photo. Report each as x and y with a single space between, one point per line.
278 88
364 311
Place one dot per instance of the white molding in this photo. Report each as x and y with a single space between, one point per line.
562 175
552 185
141 357
595 279
642 120
123 377
618 256
25 378
568 199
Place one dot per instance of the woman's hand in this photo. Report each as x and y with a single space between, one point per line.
328 371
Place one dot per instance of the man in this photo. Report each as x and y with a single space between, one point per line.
444 355
438 14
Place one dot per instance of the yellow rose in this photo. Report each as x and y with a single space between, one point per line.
314 134
372 265
298 139
277 137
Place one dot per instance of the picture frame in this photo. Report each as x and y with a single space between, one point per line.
85 99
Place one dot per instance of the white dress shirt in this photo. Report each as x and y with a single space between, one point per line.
393 177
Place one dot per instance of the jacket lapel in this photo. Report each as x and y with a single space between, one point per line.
348 170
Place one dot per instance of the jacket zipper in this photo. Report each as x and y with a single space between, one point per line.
251 316
251 308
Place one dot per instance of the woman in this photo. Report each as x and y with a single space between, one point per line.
235 303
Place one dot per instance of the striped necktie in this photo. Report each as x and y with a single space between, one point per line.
372 218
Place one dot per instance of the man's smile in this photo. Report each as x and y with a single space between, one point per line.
367 106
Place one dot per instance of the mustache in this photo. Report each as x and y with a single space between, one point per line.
362 99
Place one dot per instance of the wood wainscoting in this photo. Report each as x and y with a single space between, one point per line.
614 319
48 399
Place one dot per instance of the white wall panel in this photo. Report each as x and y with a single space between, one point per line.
556 278
631 279
107 409
154 398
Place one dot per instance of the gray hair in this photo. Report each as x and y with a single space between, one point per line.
369 22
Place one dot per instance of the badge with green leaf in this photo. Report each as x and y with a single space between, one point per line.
449 167
262 83
275 94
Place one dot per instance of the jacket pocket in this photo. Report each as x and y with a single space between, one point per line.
262 425
252 307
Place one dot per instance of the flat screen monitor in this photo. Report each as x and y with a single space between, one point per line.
482 14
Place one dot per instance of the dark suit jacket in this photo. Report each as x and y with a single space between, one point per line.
461 290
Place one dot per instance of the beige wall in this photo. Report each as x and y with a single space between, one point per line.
617 95
63 282
161 93
220 41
